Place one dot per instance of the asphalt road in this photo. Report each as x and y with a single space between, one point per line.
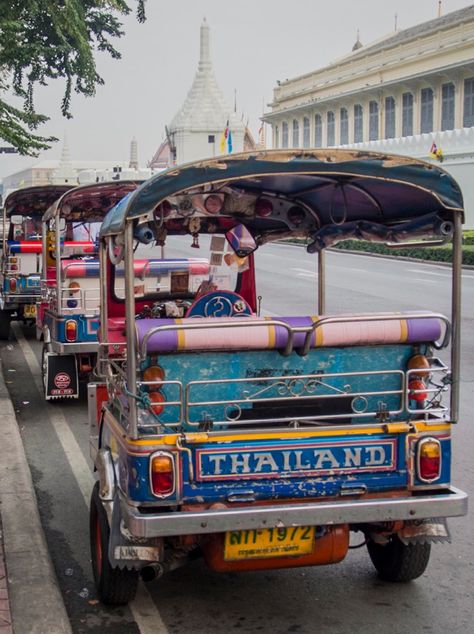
347 597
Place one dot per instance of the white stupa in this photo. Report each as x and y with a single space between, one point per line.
196 130
65 172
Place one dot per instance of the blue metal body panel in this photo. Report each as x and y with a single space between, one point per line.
259 365
87 327
321 466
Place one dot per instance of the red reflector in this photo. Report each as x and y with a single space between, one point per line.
12 284
156 398
71 330
417 390
162 474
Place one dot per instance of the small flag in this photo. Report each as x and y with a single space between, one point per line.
436 152
224 138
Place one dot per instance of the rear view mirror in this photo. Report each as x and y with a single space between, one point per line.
16 220
241 241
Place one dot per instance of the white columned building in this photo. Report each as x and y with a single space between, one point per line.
401 94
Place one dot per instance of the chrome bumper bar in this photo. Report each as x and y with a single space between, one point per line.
74 348
449 503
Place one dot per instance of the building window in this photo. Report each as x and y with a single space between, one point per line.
358 124
318 131
296 133
468 119
447 107
426 123
331 130
373 121
344 126
389 118
306 133
407 114
277 137
284 134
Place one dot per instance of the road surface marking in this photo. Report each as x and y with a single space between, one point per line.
143 608
304 272
420 271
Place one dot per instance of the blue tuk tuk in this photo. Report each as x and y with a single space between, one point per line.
259 440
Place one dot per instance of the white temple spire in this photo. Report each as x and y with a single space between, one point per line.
133 164
204 52
65 172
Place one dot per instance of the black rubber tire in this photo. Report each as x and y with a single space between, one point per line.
43 367
397 561
5 318
114 586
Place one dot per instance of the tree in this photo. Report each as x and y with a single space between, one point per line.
42 40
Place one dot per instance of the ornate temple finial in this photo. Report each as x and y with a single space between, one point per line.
204 55
358 43
133 164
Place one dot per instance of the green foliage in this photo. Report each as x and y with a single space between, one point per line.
435 254
468 237
42 40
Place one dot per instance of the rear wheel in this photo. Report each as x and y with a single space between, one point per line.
44 366
114 586
5 318
396 561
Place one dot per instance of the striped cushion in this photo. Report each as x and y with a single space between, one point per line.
426 328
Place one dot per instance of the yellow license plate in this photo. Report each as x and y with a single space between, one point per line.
269 542
29 310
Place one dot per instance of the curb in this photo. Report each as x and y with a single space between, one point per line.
36 602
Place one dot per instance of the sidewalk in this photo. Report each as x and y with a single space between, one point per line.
30 599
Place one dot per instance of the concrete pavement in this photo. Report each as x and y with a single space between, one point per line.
30 599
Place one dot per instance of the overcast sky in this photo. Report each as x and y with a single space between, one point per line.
254 43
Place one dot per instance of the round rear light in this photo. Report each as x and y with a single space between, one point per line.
420 363
12 284
296 215
213 203
154 374
417 390
263 207
156 399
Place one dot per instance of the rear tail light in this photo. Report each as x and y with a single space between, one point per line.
12 285
155 375
13 264
162 476
420 364
156 399
71 330
429 459
73 288
417 390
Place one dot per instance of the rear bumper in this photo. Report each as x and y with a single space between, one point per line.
448 503
74 348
